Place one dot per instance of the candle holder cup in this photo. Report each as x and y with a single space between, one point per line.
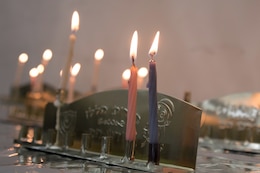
129 152
153 154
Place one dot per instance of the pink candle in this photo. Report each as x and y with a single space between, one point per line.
132 92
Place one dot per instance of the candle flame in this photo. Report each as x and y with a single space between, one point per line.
126 74
75 21
40 68
133 48
142 72
99 54
23 58
75 69
154 47
33 72
47 54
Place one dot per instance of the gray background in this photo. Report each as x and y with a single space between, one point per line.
210 48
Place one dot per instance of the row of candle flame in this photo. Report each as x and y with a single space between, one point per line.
36 73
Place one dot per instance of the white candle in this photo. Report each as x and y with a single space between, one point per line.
46 57
40 69
22 59
125 78
142 73
74 72
74 28
99 54
33 73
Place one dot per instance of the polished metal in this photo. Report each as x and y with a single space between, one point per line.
104 114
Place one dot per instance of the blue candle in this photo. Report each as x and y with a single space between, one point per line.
154 146
152 85
153 120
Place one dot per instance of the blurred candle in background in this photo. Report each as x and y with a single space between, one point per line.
40 69
46 57
132 92
125 78
33 73
74 72
142 73
22 59
99 54
154 149
74 28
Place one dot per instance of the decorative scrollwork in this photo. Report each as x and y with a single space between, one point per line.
165 114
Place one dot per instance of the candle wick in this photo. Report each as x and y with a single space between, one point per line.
152 58
73 32
133 61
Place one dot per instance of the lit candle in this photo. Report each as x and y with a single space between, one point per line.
33 73
125 78
22 59
46 57
153 119
38 84
74 72
74 28
142 73
99 54
132 92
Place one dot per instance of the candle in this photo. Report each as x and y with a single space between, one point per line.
74 72
33 73
153 119
40 69
132 92
142 73
74 28
46 57
125 78
22 59
99 54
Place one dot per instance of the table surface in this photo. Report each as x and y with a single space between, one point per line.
211 157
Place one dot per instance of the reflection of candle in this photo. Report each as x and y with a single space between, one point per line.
142 73
99 54
132 92
125 78
74 72
153 119
33 78
23 58
74 28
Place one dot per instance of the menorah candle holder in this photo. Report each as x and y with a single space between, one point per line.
104 114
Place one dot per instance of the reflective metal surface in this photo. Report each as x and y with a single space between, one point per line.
104 114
